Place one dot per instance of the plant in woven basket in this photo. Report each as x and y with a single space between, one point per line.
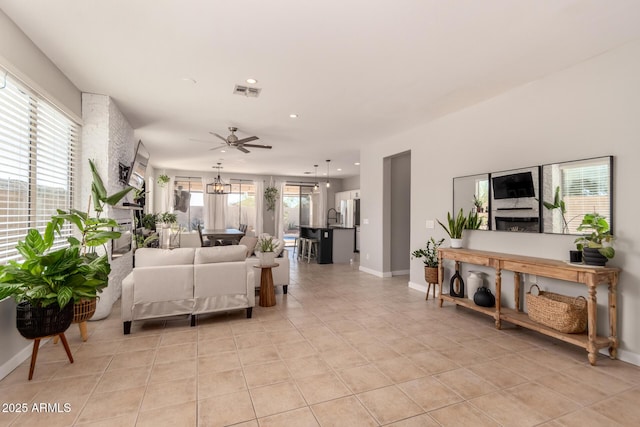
429 253
50 275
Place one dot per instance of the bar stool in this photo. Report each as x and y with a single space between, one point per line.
312 248
303 247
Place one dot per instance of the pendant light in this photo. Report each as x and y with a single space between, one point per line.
328 183
315 186
218 186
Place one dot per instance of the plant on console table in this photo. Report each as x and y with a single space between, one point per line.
429 255
49 279
455 227
596 246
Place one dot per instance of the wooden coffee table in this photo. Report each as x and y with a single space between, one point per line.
267 290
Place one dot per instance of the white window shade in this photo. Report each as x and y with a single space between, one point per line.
37 152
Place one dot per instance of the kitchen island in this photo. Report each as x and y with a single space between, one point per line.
335 244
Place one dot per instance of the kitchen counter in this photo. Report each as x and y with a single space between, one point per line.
335 243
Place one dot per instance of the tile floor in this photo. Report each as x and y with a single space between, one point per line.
343 348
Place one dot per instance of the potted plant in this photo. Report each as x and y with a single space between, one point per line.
163 180
596 246
265 250
430 259
48 280
270 196
167 218
455 228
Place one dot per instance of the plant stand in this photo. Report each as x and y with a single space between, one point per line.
431 277
36 346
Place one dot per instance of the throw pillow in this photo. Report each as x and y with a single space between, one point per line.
250 242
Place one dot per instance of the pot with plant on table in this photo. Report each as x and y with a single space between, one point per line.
430 260
50 280
597 244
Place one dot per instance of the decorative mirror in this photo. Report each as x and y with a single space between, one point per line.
515 200
582 186
471 193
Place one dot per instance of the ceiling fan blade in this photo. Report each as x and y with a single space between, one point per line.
249 139
219 147
224 139
257 146
241 148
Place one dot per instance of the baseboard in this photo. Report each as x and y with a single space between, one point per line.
400 272
418 287
626 356
11 364
374 272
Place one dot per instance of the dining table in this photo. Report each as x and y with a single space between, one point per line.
219 234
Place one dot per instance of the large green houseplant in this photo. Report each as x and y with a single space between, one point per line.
596 245
49 275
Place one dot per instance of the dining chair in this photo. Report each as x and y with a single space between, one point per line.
203 243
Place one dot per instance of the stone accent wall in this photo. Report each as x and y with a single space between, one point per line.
108 139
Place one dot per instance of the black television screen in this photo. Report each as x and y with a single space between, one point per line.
513 186
139 167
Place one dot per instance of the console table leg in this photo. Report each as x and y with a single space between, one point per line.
613 316
498 297
592 322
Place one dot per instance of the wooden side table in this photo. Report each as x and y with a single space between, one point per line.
267 291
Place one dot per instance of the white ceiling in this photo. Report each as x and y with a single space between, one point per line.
354 71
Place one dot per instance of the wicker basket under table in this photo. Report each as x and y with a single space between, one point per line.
560 312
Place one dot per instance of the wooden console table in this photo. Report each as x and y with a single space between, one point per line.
590 276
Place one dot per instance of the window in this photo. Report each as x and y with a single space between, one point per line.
585 186
241 204
37 157
188 202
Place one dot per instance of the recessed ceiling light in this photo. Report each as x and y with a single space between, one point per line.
293 116
252 81
223 151
357 163
339 169
189 80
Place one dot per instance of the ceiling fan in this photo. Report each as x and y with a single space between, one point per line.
233 141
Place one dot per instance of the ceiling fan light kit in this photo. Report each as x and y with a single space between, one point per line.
241 144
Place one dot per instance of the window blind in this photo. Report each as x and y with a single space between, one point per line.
38 147
586 189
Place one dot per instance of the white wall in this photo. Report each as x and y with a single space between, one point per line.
588 110
23 59
108 139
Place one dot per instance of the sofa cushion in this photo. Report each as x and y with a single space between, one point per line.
250 242
220 254
152 257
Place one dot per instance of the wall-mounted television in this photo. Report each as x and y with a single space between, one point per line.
513 186
139 167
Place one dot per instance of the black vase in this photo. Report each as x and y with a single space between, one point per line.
592 256
484 298
452 287
36 322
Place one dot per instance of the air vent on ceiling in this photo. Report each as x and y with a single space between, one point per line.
252 92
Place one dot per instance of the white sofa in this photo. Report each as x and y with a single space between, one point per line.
187 281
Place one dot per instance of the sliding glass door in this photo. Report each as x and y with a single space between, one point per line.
298 203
